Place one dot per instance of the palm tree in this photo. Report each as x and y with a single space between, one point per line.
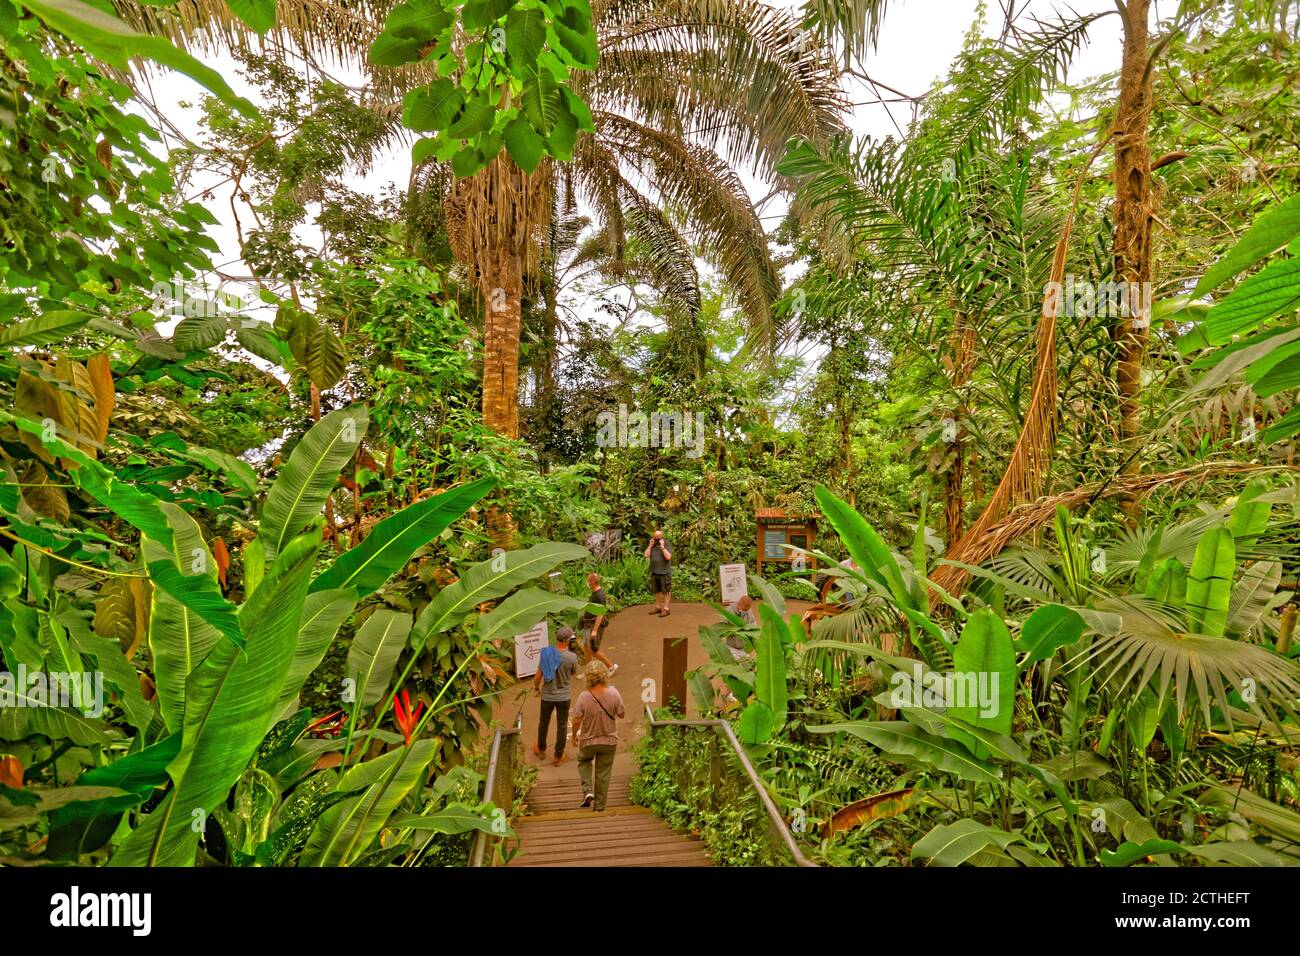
686 94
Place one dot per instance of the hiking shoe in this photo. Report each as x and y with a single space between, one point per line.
559 759
665 613
613 670
657 611
587 800
538 752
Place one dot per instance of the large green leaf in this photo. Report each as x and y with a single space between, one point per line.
1270 232
391 542
984 665
106 37
200 594
259 15
867 549
521 610
322 615
770 676
229 707
1271 292
951 844
525 37
1168 583
1250 515
905 738
453 818
408 30
179 637
1047 628
374 653
345 830
45 329
1209 586
489 580
308 477
136 508
756 724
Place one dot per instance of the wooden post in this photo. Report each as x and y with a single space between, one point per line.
674 672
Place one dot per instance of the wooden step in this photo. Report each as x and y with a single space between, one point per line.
567 795
558 831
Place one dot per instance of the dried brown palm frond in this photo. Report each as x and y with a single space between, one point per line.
1022 479
1028 518
344 30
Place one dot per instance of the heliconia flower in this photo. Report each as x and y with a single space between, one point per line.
330 725
406 719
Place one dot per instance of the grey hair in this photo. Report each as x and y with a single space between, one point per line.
596 673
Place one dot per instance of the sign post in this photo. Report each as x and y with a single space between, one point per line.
734 583
528 650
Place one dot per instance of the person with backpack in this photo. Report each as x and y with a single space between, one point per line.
594 719
555 670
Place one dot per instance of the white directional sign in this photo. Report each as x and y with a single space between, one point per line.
528 650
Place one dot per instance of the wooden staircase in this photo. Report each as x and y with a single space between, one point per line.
557 832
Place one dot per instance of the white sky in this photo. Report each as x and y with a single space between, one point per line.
918 42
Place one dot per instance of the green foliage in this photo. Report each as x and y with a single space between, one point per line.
507 87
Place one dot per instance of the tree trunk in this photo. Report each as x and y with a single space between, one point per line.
502 319
963 365
1133 217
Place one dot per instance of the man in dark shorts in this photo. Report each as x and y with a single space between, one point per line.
661 572
592 626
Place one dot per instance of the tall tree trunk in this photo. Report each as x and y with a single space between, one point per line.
501 330
1133 217
502 320
963 365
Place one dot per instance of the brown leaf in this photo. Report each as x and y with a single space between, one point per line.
38 400
104 153
880 806
46 499
122 612
101 383
328 761
77 416
11 771
222 557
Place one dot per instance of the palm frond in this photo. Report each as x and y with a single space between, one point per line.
1201 669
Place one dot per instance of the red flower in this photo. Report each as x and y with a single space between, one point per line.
328 726
406 719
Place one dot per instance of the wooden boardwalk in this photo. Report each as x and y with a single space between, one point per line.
557 832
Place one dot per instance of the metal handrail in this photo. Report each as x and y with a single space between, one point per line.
773 814
481 838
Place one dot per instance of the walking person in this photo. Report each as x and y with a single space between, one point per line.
592 626
661 572
594 719
555 671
